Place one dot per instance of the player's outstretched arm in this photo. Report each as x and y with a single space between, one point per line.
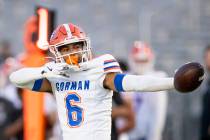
125 82
31 78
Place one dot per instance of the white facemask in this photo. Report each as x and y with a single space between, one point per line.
141 68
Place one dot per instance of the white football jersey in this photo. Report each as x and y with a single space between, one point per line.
84 105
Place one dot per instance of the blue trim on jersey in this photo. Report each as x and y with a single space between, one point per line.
118 82
110 67
107 62
37 85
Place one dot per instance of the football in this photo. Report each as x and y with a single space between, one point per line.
188 77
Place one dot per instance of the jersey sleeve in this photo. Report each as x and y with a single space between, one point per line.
110 64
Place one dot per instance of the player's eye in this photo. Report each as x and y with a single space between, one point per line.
78 45
63 49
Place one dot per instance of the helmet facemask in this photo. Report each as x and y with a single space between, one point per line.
74 52
141 58
141 66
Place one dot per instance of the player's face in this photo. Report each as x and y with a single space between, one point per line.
72 52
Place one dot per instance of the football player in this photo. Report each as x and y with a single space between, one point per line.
150 107
83 85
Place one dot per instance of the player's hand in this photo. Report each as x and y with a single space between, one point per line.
55 70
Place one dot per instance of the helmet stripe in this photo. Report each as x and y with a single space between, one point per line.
68 30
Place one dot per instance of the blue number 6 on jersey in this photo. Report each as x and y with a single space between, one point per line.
75 113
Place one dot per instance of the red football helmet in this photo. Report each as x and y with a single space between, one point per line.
70 44
141 58
141 52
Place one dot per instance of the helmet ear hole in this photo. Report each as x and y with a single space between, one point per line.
53 50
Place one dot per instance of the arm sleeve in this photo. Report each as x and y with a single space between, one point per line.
27 77
125 82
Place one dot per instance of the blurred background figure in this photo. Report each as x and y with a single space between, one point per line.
150 108
11 107
5 50
121 110
205 116
34 56
11 120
